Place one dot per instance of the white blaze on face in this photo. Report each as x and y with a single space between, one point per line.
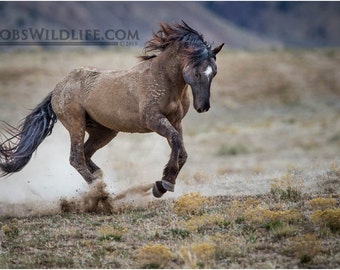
208 72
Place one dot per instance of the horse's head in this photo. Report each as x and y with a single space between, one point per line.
197 58
200 76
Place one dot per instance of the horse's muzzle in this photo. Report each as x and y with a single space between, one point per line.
201 105
202 110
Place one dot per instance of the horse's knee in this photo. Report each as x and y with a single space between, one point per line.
175 140
74 162
183 158
82 169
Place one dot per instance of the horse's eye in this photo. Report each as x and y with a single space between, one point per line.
197 75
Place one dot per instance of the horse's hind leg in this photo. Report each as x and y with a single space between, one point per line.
75 123
99 136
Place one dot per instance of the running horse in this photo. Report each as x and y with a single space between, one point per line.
150 97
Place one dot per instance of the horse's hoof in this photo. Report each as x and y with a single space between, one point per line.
168 186
158 189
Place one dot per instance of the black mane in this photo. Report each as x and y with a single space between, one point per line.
192 44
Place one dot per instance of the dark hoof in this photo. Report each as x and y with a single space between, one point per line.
168 186
158 189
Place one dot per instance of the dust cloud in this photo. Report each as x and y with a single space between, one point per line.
49 185
99 200
131 164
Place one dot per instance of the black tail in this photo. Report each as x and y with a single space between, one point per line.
16 151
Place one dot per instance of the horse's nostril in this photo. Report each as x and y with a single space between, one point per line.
205 109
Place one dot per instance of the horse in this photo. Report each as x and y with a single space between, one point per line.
152 96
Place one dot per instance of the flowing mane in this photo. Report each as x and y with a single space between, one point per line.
194 48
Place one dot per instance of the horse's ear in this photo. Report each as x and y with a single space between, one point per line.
217 49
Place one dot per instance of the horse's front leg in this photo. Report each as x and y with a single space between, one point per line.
177 159
182 158
173 167
161 125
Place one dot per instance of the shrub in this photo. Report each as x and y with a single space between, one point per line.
279 229
236 210
190 204
228 245
10 230
203 222
111 233
305 247
322 203
286 188
327 217
260 215
200 255
154 256
180 233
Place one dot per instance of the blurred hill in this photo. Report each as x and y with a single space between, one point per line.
303 24
143 16
247 25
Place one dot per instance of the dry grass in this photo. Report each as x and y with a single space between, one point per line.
322 203
327 217
154 256
227 232
190 204
193 231
272 111
198 255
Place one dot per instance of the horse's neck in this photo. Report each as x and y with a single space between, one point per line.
167 67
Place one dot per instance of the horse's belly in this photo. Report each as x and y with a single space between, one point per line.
125 124
119 120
